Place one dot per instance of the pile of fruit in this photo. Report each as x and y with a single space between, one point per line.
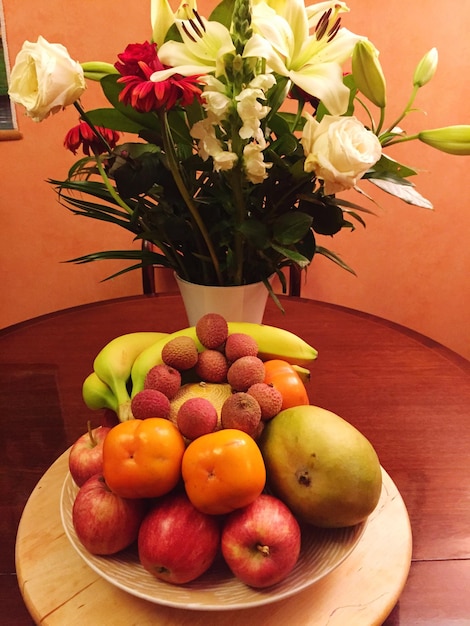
215 451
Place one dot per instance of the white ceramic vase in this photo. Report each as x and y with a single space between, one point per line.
244 303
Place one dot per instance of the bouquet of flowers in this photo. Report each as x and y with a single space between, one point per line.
245 134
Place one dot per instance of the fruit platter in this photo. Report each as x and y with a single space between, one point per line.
213 483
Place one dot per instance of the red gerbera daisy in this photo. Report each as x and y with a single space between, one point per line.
83 135
136 65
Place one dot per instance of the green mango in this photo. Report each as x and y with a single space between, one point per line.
321 466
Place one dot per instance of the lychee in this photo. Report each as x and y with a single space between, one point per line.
244 372
150 403
196 417
180 353
269 398
212 366
212 330
241 411
240 344
163 378
217 393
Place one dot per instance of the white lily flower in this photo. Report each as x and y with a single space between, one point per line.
163 18
312 62
204 45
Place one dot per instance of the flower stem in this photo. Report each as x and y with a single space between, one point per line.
112 191
175 170
406 110
86 119
402 139
116 197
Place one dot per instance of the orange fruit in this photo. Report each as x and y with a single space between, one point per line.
281 375
223 471
142 458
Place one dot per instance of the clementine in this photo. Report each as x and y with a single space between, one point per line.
223 471
142 458
281 375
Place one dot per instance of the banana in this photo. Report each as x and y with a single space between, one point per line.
114 362
97 395
303 372
273 343
277 343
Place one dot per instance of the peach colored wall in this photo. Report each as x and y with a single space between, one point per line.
412 264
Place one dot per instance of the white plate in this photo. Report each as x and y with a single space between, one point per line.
322 551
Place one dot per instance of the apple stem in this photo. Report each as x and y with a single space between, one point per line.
90 434
263 549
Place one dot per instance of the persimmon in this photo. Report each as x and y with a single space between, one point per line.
223 471
142 458
283 376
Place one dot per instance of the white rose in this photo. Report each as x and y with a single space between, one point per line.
339 150
45 79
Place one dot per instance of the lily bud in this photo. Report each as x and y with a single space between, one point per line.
367 72
96 70
426 68
451 139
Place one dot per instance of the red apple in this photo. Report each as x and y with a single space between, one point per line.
86 454
104 522
177 543
261 542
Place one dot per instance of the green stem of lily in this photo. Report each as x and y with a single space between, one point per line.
300 108
175 170
381 120
405 112
369 114
402 139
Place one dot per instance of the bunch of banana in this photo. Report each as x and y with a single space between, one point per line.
106 386
120 368
273 343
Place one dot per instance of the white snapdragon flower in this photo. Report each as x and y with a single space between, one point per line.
251 111
224 160
253 160
263 81
216 101
210 146
204 132
249 107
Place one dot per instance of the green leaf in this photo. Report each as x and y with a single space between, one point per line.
332 256
113 119
291 227
223 13
406 193
389 169
256 233
292 255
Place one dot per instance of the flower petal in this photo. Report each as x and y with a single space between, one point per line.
324 81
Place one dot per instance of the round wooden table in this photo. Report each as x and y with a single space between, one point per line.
407 394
